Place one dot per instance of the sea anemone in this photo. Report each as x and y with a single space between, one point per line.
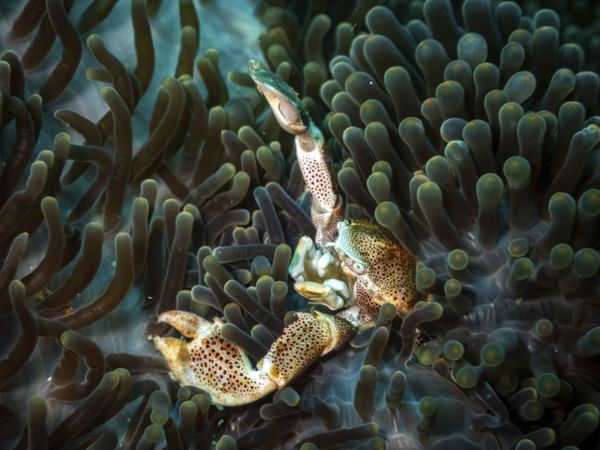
468 129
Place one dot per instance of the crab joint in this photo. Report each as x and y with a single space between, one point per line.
302 343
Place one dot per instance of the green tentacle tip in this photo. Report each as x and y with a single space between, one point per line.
387 214
411 127
437 167
453 350
456 151
434 311
379 186
507 384
153 433
309 446
427 354
561 256
467 377
592 132
472 48
425 279
398 379
532 410
543 328
518 248
492 354
543 437
531 127
396 388
561 205
452 288
548 385
522 268
489 190
509 115
66 338
429 195
588 345
517 171
450 92
525 444
37 402
383 167
387 311
371 110
458 259
376 443
562 82
586 262
428 406
520 86
228 443
584 423
289 396
589 203
93 39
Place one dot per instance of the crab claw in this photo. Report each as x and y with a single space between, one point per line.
325 293
305 253
223 370
210 362
303 341
283 100
186 323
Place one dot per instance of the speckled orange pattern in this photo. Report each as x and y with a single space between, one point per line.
221 364
325 224
215 365
374 266
316 170
387 271
303 341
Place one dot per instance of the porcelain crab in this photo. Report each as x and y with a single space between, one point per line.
352 267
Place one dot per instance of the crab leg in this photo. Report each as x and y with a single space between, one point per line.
311 151
222 369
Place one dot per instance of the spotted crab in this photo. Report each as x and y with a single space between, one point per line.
352 267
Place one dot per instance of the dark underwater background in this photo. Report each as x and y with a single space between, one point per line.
141 171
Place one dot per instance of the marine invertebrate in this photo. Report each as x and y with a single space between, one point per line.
366 260
484 100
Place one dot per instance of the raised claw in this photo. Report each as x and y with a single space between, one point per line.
311 150
224 371
282 99
186 323
211 363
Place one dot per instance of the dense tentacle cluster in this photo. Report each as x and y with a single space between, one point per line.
467 129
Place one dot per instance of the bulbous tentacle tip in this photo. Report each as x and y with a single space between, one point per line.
211 363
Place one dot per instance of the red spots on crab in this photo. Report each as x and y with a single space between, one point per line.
389 270
302 343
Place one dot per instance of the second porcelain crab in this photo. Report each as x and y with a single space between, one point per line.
353 267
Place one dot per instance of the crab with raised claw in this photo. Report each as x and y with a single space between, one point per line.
352 268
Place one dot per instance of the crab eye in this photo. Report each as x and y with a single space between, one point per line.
359 267
342 224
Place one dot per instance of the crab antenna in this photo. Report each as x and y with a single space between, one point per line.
311 150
